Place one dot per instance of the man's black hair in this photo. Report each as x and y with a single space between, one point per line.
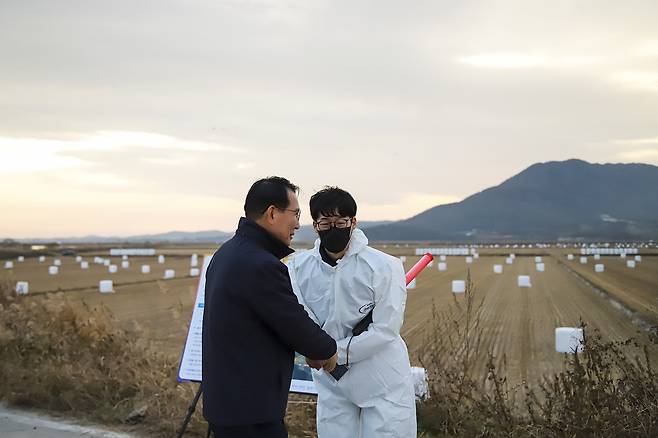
272 190
332 201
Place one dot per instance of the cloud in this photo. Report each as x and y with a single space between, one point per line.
637 80
637 141
33 155
21 155
504 60
641 155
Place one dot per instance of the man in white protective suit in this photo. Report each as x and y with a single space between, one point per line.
339 282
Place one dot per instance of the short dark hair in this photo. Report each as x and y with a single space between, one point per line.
332 201
272 190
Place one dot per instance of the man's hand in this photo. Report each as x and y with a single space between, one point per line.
330 364
327 364
315 364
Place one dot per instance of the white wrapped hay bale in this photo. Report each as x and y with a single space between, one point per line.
146 269
469 260
622 255
161 259
509 260
421 386
539 267
107 262
9 265
537 259
568 339
476 256
169 273
512 256
84 265
412 284
569 256
458 286
630 264
112 269
124 257
194 272
57 262
78 259
597 256
442 258
524 281
106 286
42 259
53 270
443 266
125 264
498 269
638 258
194 260
599 267
22 287
583 260
21 259
403 259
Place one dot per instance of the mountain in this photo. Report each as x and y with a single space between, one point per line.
573 200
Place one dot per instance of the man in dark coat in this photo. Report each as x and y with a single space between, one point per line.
253 323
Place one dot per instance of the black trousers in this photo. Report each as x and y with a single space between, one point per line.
275 429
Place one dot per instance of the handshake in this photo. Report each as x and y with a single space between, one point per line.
326 364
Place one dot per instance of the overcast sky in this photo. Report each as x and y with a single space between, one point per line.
131 117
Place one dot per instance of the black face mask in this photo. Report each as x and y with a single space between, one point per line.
335 239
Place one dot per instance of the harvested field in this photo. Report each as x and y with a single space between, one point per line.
72 277
518 323
636 289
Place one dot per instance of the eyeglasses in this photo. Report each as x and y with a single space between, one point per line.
325 224
298 212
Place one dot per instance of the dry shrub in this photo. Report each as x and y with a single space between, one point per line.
59 358
610 389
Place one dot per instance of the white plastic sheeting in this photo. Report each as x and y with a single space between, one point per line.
568 339
458 286
105 286
524 281
22 287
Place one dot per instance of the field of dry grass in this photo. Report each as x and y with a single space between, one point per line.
517 323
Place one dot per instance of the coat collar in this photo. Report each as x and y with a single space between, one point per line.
250 229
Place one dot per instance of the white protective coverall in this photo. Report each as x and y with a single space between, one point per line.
375 398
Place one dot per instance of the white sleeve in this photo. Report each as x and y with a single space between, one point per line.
292 273
387 316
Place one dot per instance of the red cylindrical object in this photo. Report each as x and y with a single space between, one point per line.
419 266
